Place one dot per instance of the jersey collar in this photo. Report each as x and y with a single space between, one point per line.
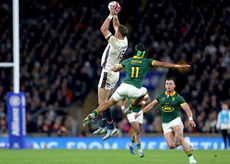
137 57
171 94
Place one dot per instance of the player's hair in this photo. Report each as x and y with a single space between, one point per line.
170 78
139 50
123 30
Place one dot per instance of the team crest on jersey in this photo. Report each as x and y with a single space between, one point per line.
173 99
167 108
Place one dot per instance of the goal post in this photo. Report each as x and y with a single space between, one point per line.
16 99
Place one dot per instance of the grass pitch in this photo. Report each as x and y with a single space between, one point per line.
120 156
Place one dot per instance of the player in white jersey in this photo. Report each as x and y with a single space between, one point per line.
114 51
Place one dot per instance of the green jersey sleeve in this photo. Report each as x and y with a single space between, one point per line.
124 62
150 62
181 100
158 98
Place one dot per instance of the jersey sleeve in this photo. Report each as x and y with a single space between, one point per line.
181 100
151 61
113 41
123 63
158 98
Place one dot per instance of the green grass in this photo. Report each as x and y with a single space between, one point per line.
120 156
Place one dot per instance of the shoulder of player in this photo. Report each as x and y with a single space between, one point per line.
119 40
114 41
178 95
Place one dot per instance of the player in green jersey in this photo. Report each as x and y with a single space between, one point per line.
136 69
136 124
170 104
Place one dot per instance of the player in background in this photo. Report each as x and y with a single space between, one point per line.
112 55
137 124
136 69
170 104
223 123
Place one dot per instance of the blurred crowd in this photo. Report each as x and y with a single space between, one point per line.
61 47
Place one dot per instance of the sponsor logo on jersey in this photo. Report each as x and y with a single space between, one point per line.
135 61
173 99
167 108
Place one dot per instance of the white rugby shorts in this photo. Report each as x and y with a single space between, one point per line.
168 127
128 90
108 79
139 119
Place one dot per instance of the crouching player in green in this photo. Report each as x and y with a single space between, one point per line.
170 104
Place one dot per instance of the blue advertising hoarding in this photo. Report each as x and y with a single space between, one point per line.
113 143
16 120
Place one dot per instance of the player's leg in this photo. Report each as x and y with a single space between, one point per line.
111 129
138 141
134 103
108 116
113 78
103 127
140 120
224 134
135 126
178 130
228 134
169 135
103 95
169 138
100 109
130 144
136 93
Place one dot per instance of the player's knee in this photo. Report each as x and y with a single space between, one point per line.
171 146
137 133
179 138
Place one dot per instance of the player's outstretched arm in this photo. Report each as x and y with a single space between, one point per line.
116 22
105 26
169 65
188 111
147 108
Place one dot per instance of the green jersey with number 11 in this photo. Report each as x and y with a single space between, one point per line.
136 69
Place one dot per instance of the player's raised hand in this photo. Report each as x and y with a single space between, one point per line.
191 123
113 67
114 11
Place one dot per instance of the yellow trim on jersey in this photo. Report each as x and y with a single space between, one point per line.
122 66
137 57
153 62
171 94
183 103
156 101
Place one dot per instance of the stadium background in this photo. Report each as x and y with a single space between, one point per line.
61 47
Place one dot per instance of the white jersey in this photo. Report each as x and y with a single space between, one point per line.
114 51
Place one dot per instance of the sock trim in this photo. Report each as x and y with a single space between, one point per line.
189 153
96 112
